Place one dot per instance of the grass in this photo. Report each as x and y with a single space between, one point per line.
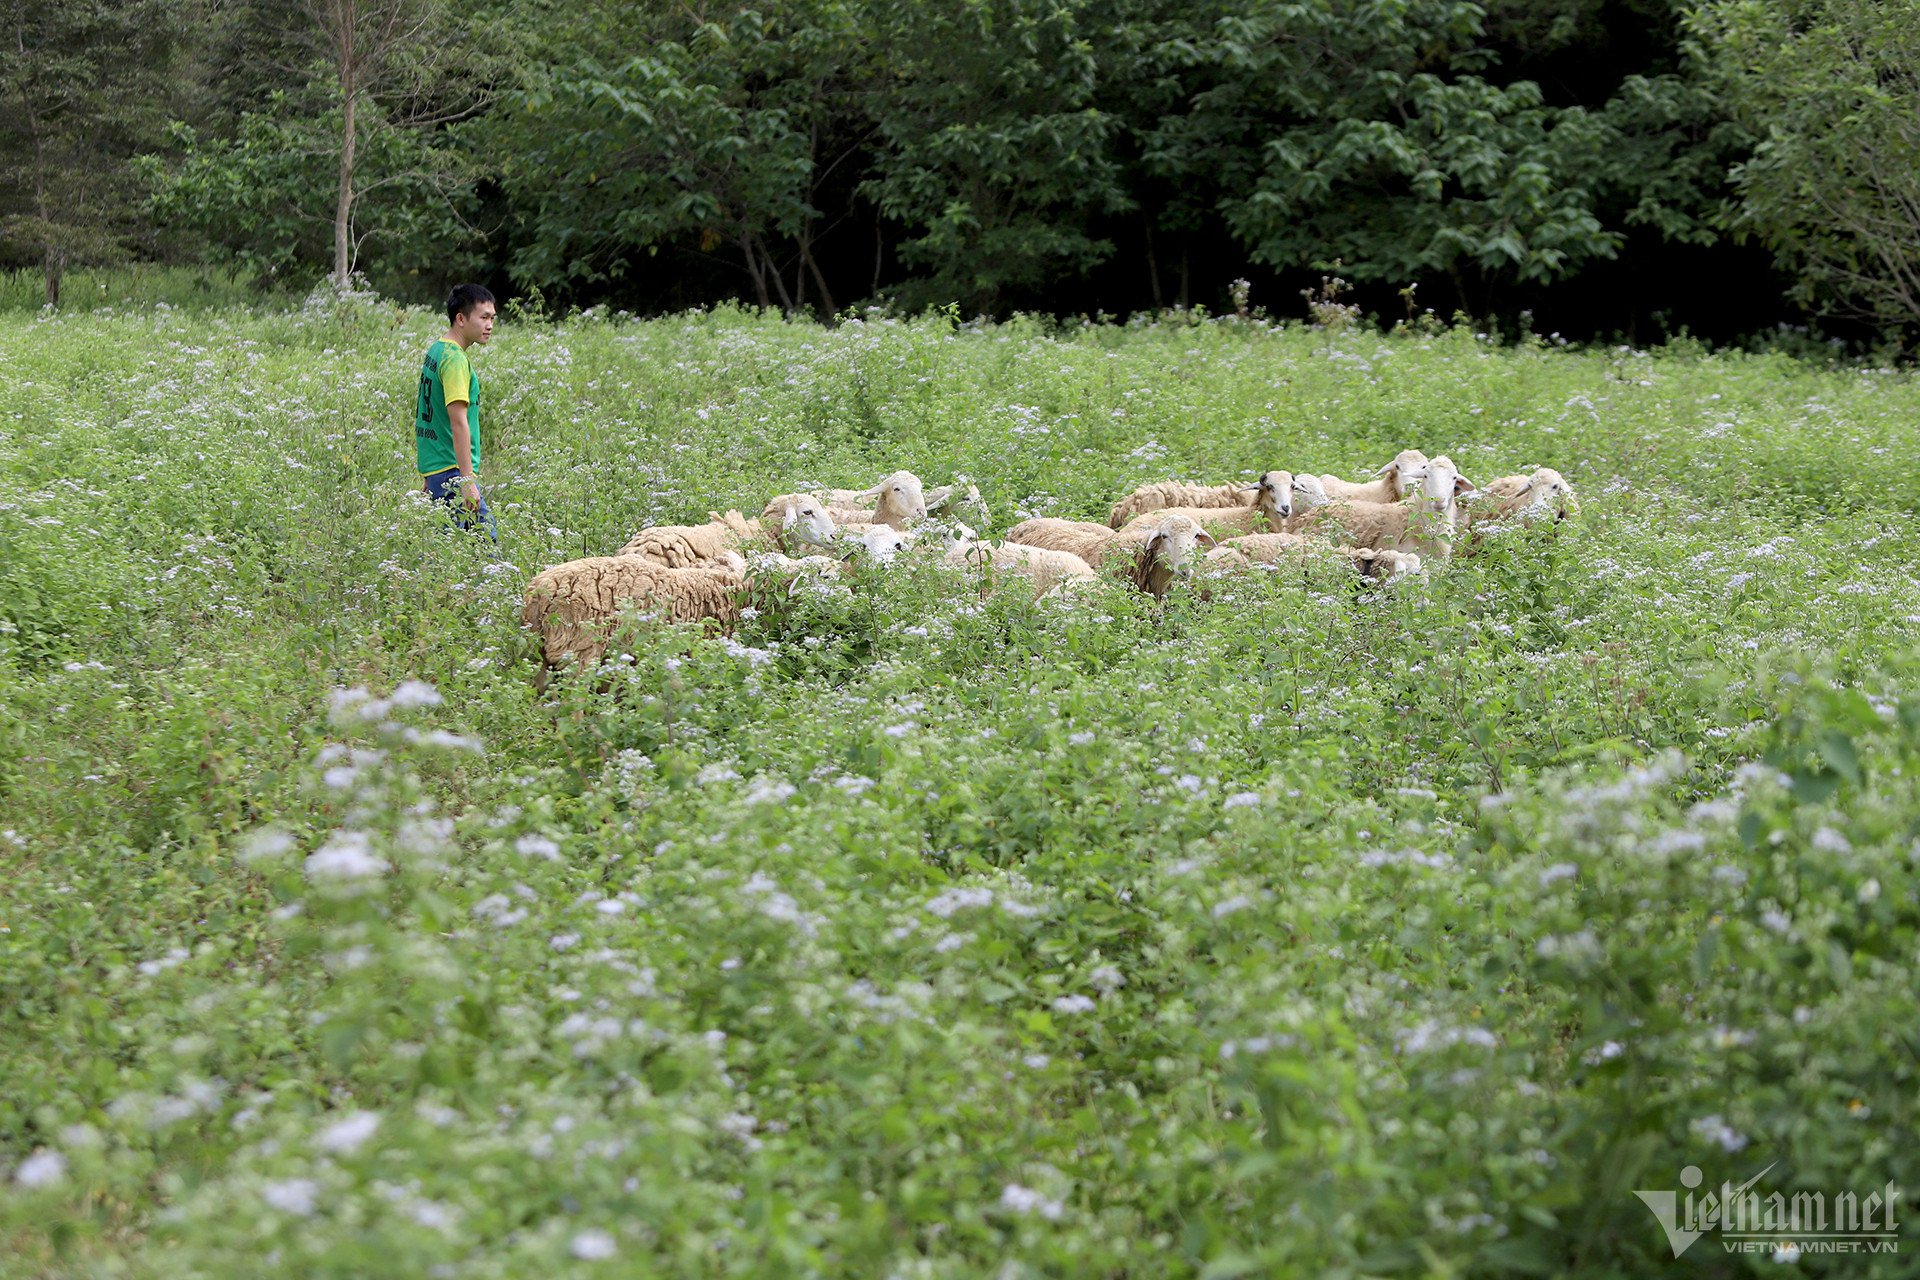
1298 930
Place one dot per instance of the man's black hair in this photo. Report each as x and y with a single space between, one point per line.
464 298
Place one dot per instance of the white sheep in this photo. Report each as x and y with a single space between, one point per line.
1390 483
1528 497
1161 551
1260 548
796 520
1177 494
1272 505
683 546
1091 542
897 500
575 607
960 500
1424 523
1046 569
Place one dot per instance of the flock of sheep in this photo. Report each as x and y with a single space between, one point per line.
1412 513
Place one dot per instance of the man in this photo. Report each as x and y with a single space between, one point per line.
446 426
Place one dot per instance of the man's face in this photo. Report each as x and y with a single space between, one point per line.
477 324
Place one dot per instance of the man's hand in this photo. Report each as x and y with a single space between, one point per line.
470 490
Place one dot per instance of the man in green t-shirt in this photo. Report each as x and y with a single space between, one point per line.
446 419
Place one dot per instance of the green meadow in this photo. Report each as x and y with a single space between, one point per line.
1287 927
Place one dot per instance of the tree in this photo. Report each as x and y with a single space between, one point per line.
355 147
1830 92
84 85
998 158
655 127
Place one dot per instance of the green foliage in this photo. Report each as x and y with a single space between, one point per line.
1286 927
86 86
1830 92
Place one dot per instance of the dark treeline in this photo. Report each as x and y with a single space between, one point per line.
1592 167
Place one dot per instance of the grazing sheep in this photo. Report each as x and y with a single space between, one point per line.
1271 507
1390 483
1528 497
1260 548
683 546
1385 567
1161 551
795 520
1047 569
960 500
897 499
1424 523
1169 494
574 607
1091 542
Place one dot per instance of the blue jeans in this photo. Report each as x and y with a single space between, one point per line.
444 488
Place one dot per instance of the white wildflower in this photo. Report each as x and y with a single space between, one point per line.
346 856
297 1196
1021 1200
1072 1004
593 1246
43 1168
347 1135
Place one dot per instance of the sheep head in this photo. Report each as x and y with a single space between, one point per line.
1309 493
897 499
1405 470
1169 554
1273 494
806 521
961 499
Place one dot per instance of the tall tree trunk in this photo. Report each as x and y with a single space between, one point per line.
56 267
350 107
779 280
753 269
819 277
1186 280
1153 268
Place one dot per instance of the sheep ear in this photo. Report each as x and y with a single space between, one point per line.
1389 469
937 498
1209 538
1462 485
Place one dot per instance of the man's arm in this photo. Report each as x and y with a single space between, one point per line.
463 449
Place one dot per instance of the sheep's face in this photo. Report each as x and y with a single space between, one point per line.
807 521
1548 493
948 534
883 543
1405 469
1176 541
1440 484
1308 492
1388 567
961 499
899 495
1275 493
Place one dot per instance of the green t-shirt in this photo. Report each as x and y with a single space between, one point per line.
446 376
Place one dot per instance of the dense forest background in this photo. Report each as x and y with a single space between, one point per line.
1591 167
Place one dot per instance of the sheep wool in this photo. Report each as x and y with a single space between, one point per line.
683 546
1389 484
575 607
1175 493
1271 507
1091 542
1047 569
